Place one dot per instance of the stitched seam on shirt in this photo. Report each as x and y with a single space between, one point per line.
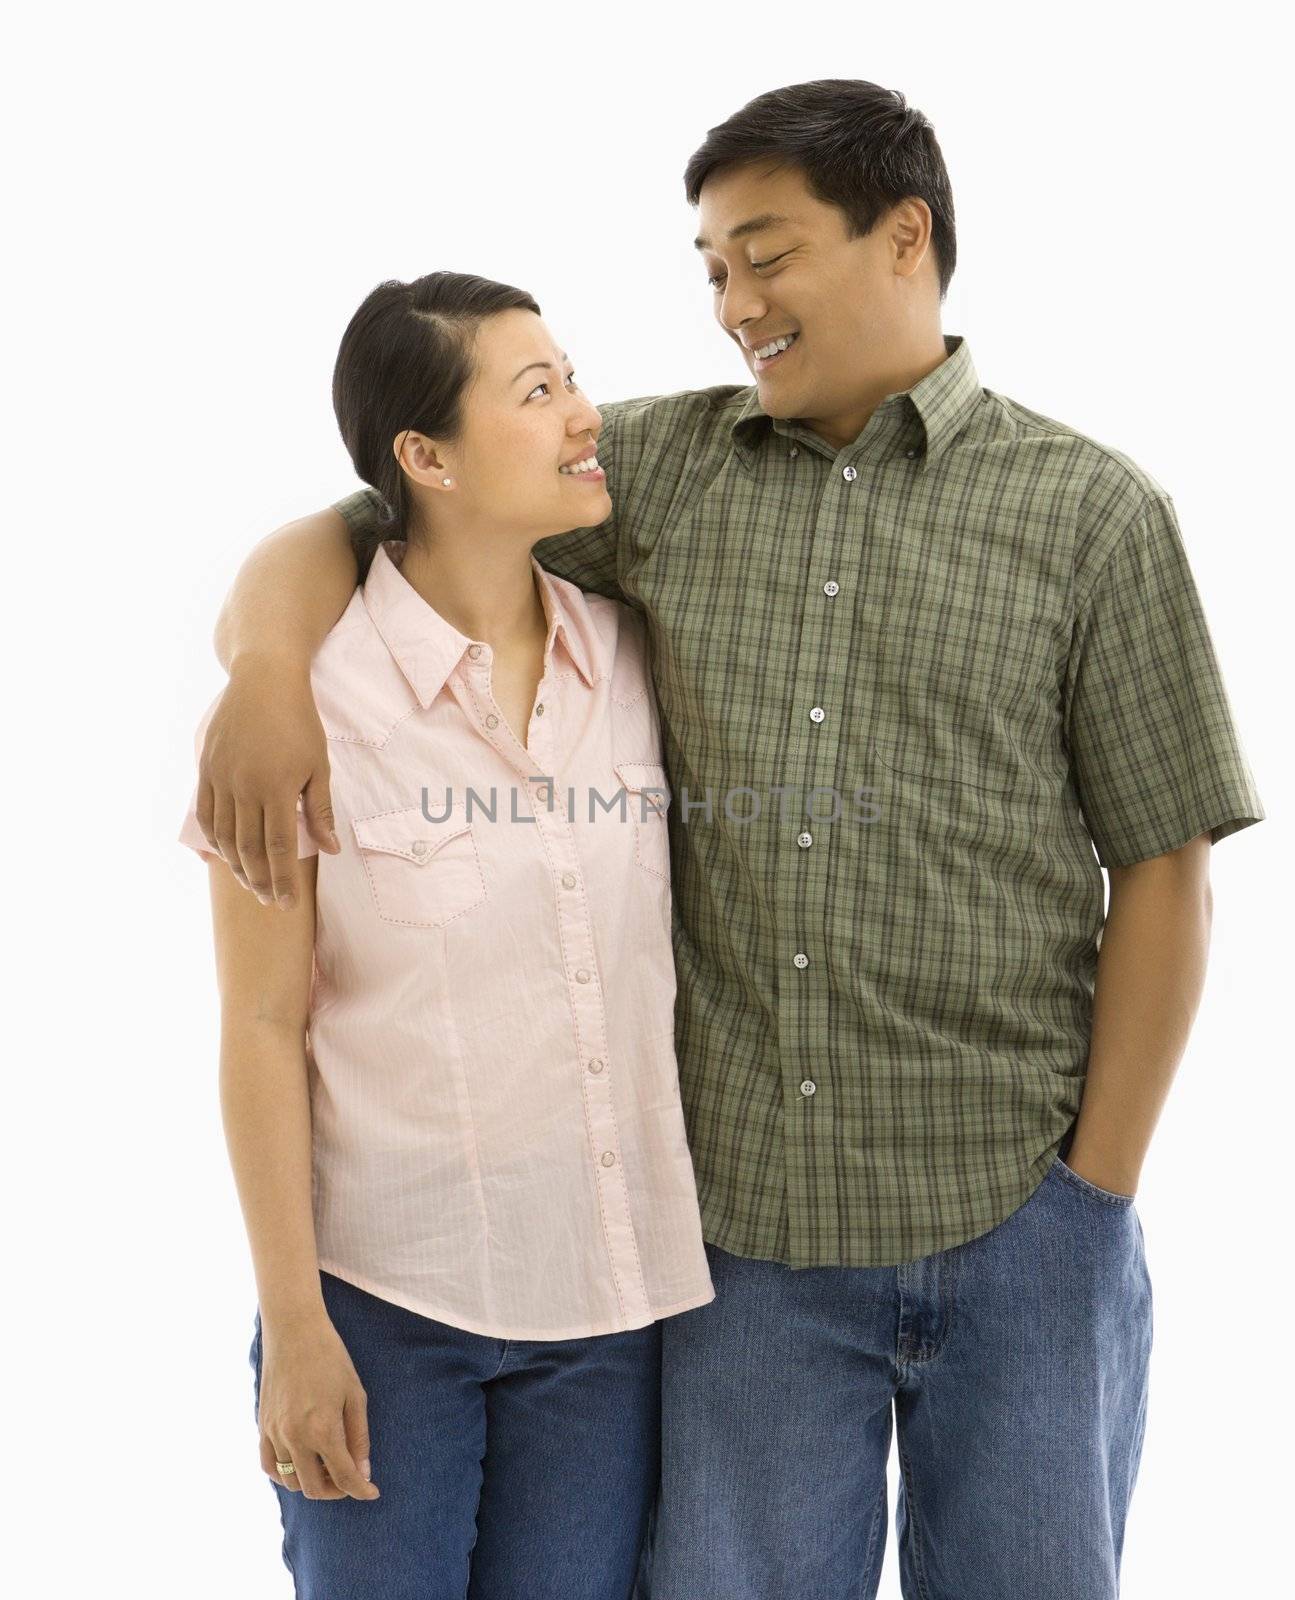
1115 549
611 1104
503 721
624 1182
584 1092
640 821
632 701
374 744
406 922
584 1095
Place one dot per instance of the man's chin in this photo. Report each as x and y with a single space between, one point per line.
776 401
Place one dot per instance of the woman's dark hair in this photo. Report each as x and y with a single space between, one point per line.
406 361
860 147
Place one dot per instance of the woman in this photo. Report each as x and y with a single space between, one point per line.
448 1076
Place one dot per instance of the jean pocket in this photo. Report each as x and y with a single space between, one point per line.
423 874
1093 1191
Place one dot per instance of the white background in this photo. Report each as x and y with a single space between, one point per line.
198 199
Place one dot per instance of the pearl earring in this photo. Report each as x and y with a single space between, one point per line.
447 481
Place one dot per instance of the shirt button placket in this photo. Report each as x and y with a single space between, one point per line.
843 509
590 1045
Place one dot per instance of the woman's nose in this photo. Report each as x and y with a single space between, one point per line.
588 419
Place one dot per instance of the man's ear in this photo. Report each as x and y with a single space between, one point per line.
910 235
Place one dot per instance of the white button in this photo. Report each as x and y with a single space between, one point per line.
568 880
419 847
816 714
804 840
581 975
492 721
800 959
595 1065
849 474
539 709
474 650
831 587
609 1158
808 1088
793 451
910 454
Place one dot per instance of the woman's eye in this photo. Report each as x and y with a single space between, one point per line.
571 378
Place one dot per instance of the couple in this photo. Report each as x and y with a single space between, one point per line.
616 1184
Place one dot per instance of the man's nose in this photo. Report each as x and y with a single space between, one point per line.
738 307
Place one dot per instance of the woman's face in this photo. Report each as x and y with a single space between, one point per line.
524 420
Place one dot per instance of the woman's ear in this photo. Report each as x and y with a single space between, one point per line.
418 456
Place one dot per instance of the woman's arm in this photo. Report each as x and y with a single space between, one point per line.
312 1402
265 745
263 969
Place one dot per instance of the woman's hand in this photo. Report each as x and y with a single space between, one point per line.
313 1412
264 746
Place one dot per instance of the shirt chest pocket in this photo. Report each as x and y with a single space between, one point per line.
647 800
970 703
930 756
423 874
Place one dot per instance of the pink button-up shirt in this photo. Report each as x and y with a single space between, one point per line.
498 1138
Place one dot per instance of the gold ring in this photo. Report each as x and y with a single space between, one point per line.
285 1467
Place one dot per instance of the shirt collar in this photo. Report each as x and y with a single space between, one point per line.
427 648
943 402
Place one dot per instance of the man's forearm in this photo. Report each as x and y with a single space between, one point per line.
1150 975
290 590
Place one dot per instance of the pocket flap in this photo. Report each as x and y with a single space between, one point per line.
408 833
646 775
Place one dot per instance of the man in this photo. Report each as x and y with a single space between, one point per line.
918 1102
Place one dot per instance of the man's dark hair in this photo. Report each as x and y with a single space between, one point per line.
405 362
860 147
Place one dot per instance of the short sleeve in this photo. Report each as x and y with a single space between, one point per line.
1155 752
192 835
362 512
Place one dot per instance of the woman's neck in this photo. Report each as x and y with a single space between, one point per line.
489 595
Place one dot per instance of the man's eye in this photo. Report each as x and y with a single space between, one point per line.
755 267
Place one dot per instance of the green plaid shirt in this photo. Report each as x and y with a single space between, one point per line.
987 620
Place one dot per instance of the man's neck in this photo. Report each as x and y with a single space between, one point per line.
899 372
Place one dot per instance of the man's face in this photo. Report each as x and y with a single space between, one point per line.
799 274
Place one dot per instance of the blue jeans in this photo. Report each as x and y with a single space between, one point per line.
1016 1365
507 1467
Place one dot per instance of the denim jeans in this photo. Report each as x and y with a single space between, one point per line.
508 1468
1016 1365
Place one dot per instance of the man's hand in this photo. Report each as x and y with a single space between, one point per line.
1114 1179
265 745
